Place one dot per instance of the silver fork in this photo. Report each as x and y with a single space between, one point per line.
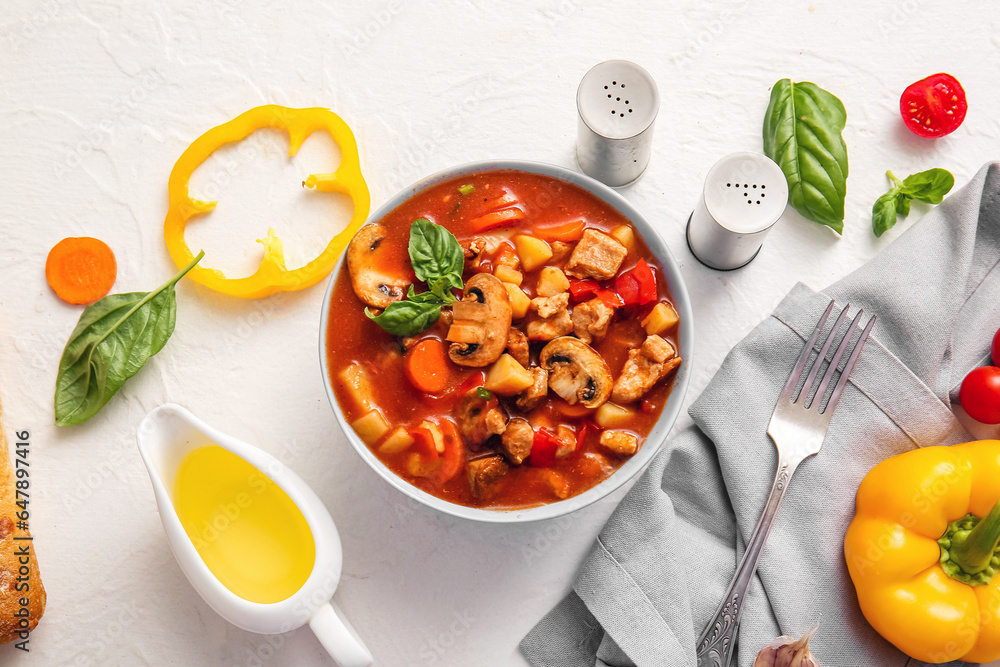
797 428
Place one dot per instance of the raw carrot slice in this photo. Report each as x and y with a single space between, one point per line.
495 219
565 232
427 366
81 269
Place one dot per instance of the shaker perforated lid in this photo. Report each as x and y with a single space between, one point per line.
617 103
744 195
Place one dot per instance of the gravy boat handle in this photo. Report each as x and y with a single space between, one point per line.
338 637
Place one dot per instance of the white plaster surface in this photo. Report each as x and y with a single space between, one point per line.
97 101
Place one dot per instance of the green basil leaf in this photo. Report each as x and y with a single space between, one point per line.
902 204
802 133
407 318
434 252
112 340
929 186
884 213
423 297
441 287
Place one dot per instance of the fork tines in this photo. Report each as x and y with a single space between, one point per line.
809 393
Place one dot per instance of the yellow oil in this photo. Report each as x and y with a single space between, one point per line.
248 531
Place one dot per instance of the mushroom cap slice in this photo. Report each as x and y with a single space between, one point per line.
577 373
371 285
481 321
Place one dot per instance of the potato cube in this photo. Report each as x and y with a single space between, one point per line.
620 442
533 252
358 384
507 377
551 281
660 319
519 301
625 235
371 427
397 441
610 415
508 275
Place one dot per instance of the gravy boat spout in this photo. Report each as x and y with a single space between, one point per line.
166 437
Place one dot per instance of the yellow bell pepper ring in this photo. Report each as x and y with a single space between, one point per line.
923 554
271 276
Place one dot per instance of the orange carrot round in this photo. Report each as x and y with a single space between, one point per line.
81 269
427 366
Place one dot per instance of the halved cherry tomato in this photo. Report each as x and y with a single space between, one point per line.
543 449
935 106
583 290
980 394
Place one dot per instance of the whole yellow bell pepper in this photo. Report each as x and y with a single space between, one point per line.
922 551
272 275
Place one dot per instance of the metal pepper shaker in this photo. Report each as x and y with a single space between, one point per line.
617 102
744 195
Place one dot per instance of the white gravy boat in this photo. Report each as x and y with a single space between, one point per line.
165 436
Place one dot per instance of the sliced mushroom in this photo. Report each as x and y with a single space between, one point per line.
480 416
481 320
577 372
372 286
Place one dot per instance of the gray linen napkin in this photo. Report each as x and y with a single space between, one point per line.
661 564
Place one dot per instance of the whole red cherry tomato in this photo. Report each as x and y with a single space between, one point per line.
980 394
995 349
935 106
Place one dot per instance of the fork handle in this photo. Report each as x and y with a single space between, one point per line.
718 640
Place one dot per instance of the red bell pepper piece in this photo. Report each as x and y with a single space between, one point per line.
610 298
583 290
647 282
543 449
423 443
581 435
627 286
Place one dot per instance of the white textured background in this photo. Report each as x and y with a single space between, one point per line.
97 101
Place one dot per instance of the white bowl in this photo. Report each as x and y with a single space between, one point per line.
656 437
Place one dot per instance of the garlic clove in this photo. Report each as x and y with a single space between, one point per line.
787 652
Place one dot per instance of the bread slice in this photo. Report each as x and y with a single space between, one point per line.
22 597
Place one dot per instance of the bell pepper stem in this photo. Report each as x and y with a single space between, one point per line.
973 550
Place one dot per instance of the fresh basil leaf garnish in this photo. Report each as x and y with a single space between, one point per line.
112 340
407 318
434 252
884 213
802 133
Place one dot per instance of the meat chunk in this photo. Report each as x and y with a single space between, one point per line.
597 255
517 346
644 368
550 317
567 441
474 249
485 475
517 440
620 442
532 397
591 320
560 251
480 416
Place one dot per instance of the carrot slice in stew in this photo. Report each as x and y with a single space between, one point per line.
495 219
427 366
565 232
81 269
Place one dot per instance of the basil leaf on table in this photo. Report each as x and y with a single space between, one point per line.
802 133
113 339
927 186
407 318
